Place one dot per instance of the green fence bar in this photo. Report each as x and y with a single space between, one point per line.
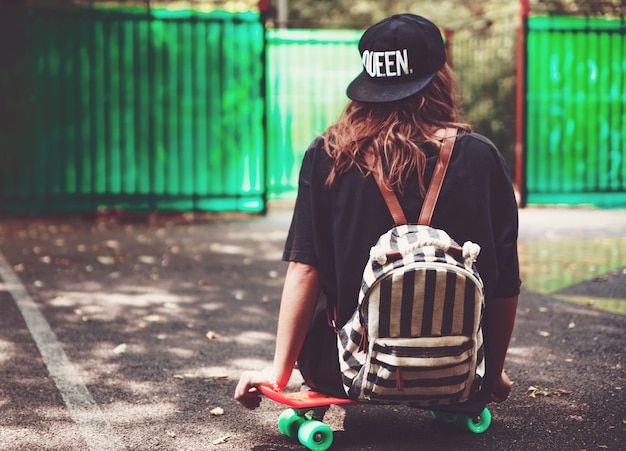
576 115
139 109
308 72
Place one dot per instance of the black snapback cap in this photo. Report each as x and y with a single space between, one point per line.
401 55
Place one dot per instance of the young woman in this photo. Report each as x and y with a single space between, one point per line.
403 96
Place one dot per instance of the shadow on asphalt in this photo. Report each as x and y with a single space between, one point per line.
159 317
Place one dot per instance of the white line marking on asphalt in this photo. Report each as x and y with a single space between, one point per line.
97 432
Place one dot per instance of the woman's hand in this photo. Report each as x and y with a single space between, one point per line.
501 388
247 393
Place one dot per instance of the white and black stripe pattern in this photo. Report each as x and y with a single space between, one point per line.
416 337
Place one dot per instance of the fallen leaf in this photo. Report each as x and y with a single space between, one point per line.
186 376
147 259
106 260
120 349
221 440
533 392
218 377
218 411
198 376
152 318
111 244
560 391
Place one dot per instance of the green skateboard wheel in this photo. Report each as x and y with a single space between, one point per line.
289 422
315 435
479 424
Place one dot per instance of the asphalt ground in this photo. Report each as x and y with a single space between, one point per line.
123 331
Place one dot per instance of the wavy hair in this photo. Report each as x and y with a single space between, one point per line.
393 132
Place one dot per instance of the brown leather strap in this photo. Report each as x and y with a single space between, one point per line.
440 172
390 197
449 138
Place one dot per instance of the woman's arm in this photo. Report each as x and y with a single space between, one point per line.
297 305
299 298
498 327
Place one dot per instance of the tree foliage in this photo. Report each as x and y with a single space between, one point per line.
446 13
362 13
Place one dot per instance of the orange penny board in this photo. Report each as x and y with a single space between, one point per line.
302 399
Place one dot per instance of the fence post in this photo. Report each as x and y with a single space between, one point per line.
520 100
264 7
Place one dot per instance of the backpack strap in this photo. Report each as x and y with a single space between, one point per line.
390 197
449 138
445 154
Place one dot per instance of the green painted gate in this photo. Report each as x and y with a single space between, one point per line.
144 110
576 111
308 71
161 110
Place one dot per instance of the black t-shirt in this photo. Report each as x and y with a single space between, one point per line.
333 228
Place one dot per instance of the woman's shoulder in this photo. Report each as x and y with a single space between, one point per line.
477 147
316 148
477 141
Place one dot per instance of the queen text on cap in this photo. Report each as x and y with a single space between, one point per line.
388 63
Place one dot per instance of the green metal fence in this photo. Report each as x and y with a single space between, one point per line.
576 115
161 110
144 110
308 71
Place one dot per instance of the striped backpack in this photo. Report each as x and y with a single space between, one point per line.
416 336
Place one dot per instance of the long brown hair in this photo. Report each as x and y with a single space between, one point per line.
393 131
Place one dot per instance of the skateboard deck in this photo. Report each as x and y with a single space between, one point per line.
307 399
